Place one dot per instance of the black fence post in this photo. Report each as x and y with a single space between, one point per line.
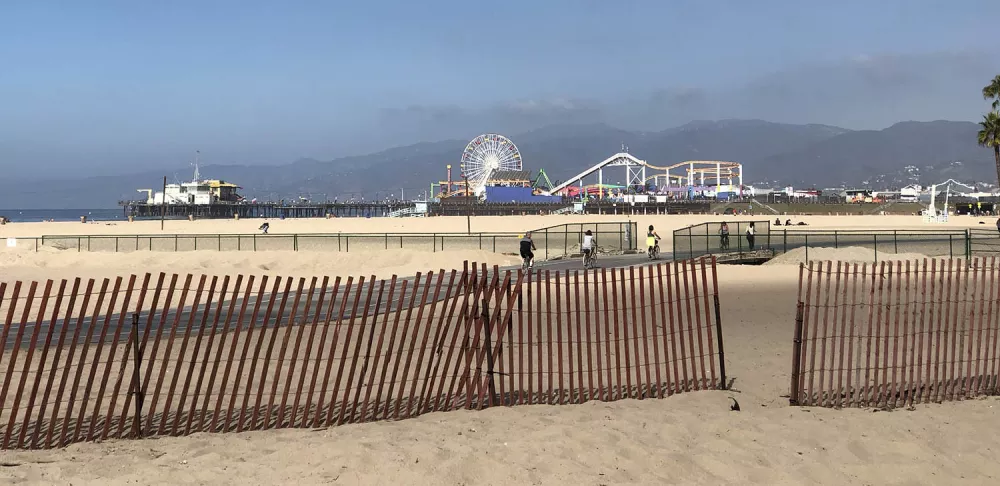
722 352
136 381
707 250
793 396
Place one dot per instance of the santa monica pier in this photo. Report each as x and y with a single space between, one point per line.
488 178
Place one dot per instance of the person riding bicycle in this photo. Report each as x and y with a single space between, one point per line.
587 246
652 239
527 246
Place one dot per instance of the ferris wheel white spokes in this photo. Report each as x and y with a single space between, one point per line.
486 154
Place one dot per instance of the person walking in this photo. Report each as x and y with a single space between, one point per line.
751 234
724 236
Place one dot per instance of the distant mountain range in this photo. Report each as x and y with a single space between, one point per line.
773 154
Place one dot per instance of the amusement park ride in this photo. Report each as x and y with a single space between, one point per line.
932 214
492 159
692 173
489 159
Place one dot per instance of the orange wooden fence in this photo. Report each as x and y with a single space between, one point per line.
894 334
171 355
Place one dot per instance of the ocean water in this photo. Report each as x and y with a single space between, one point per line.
35 215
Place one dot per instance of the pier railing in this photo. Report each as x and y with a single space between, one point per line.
552 242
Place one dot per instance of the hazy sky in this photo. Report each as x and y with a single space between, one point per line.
99 85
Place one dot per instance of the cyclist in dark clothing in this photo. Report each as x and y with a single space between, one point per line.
527 247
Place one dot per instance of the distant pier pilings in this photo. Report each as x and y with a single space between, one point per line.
268 210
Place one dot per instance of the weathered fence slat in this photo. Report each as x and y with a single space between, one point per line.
930 335
242 353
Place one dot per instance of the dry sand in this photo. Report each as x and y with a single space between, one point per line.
457 224
847 254
23 263
687 439
56 264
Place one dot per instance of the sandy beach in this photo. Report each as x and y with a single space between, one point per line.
23 262
692 438
457 224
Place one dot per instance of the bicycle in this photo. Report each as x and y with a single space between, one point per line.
654 251
525 264
590 259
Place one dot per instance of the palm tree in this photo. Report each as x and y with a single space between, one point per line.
989 136
992 92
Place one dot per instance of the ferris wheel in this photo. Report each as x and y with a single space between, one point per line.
487 154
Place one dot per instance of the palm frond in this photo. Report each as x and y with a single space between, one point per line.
989 134
992 91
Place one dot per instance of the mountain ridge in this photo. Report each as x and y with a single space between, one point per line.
772 153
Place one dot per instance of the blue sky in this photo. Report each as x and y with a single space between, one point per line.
100 86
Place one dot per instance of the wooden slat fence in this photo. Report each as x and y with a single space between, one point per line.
165 354
894 334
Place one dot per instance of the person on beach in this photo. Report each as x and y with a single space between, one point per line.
651 240
724 236
751 233
264 227
587 246
527 248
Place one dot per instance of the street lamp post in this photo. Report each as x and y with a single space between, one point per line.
468 201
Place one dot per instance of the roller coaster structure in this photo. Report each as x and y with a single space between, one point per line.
689 173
